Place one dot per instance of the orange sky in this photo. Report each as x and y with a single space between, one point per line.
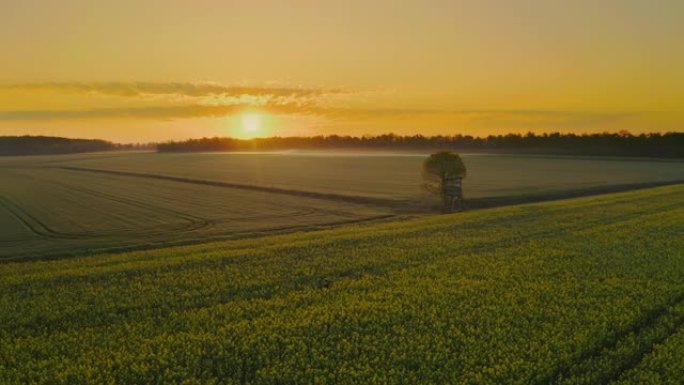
155 70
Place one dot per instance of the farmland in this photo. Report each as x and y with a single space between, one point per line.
581 291
83 204
393 175
53 212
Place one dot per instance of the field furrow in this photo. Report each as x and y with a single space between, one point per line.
662 364
84 212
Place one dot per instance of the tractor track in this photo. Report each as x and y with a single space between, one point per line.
41 229
648 324
303 212
197 223
33 224
209 238
275 190
194 222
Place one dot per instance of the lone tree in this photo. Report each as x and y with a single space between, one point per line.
442 174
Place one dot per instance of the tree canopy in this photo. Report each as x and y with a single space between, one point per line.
439 167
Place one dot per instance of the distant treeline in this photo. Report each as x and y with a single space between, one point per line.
670 145
47 145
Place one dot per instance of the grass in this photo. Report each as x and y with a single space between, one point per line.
581 291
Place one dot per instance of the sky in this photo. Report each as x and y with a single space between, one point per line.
144 70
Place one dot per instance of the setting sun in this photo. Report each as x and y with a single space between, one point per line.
251 123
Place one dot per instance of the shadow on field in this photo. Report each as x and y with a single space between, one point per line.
481 203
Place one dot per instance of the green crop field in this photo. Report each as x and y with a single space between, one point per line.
581 291
82 204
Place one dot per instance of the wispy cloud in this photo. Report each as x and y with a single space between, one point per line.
522 118
137 89
186 100
531 118
161 112
485 117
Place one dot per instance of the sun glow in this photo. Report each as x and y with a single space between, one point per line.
251 123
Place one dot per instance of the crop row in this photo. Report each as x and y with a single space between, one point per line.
663 365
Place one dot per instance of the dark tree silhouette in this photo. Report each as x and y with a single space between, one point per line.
669 145
440 168
44 145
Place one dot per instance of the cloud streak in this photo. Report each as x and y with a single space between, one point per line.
155 113
187 100
188 89
520 118
489 117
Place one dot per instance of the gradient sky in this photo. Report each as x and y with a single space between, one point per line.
142 70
